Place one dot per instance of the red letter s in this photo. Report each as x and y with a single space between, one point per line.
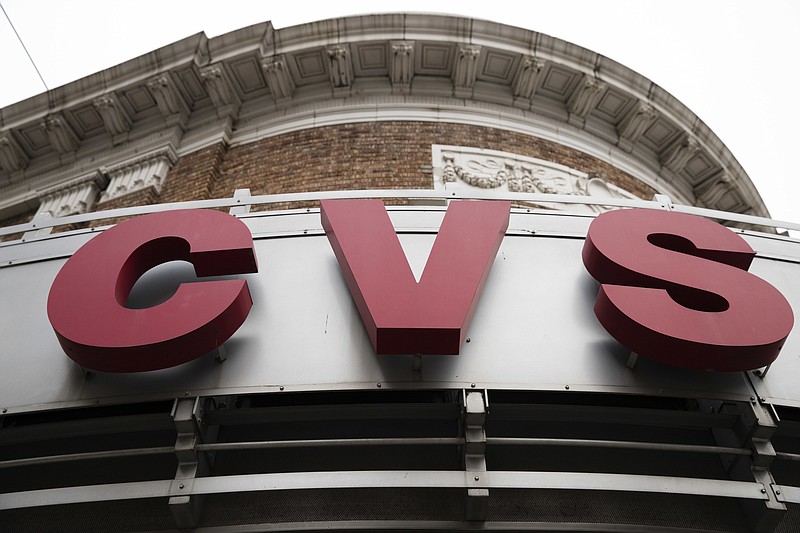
675 288
86 305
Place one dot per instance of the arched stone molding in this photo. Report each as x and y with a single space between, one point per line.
380 67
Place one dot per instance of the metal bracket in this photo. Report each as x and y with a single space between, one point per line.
664 200
763 453
187 414
220 354
786 494
765 419
40 219
765 516
475 408
754 427
243 197
762 373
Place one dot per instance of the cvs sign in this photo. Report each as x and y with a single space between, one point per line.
674 287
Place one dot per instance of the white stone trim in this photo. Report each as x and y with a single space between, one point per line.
585 96
116 120
75 197
278 78
148 170
60 134
402 66
12 156
340 66
465 68
220 89
527 78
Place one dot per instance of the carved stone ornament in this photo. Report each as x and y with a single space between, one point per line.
72 198
149 170
169 99
115 118
60 134
279 79
679 153
461 168
340 66
465 68
720 192
528 77
585 96
635 123
402 62
12 156
220 89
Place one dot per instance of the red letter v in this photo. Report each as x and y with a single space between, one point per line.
401 315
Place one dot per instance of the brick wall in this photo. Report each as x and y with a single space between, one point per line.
20 218
194 175
382 155
145 196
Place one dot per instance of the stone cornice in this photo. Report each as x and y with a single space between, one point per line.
194 82
97 177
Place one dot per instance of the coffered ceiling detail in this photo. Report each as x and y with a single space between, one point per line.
279 73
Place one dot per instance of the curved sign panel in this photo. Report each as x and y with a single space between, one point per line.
674 287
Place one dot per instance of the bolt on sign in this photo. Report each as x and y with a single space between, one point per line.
673 287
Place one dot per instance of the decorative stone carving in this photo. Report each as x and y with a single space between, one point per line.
635 123
720 192
60 134
710 191
149 170
402 64
72 198
465 68
340 66
679 153
585 97
489 174
169 99
460 168
114 116
220 89
12 156
279 79
528 77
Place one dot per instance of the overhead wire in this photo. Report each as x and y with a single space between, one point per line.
24 47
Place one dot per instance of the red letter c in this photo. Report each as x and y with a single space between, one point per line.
86 305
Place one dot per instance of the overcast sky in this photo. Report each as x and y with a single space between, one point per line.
734 63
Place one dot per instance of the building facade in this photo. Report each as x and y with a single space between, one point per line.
541 421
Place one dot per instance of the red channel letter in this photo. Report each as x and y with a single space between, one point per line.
675 288
401 315
87 309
